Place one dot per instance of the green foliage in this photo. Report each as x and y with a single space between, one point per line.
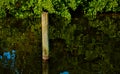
47 4
34 8
110 6
95 6
101 6
73 3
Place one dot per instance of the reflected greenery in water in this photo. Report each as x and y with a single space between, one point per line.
88 45
83 45
24 36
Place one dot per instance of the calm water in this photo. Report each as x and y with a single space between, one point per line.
86 45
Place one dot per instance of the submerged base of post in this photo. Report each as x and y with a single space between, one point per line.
45 58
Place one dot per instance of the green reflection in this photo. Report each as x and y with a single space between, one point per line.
24 36
85 45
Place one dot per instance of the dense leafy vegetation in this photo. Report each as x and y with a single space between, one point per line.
33 8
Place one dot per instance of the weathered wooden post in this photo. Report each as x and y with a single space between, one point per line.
45 46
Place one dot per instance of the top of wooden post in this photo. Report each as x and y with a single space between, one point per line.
44 13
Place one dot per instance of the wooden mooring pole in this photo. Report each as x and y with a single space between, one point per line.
45 46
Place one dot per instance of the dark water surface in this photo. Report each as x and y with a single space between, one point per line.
22 36
86 45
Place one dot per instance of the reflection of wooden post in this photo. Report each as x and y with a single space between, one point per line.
45 48
45 68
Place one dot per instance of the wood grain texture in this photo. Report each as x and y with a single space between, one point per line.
45 46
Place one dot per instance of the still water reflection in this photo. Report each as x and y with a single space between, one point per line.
86 45
25 39
45 67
